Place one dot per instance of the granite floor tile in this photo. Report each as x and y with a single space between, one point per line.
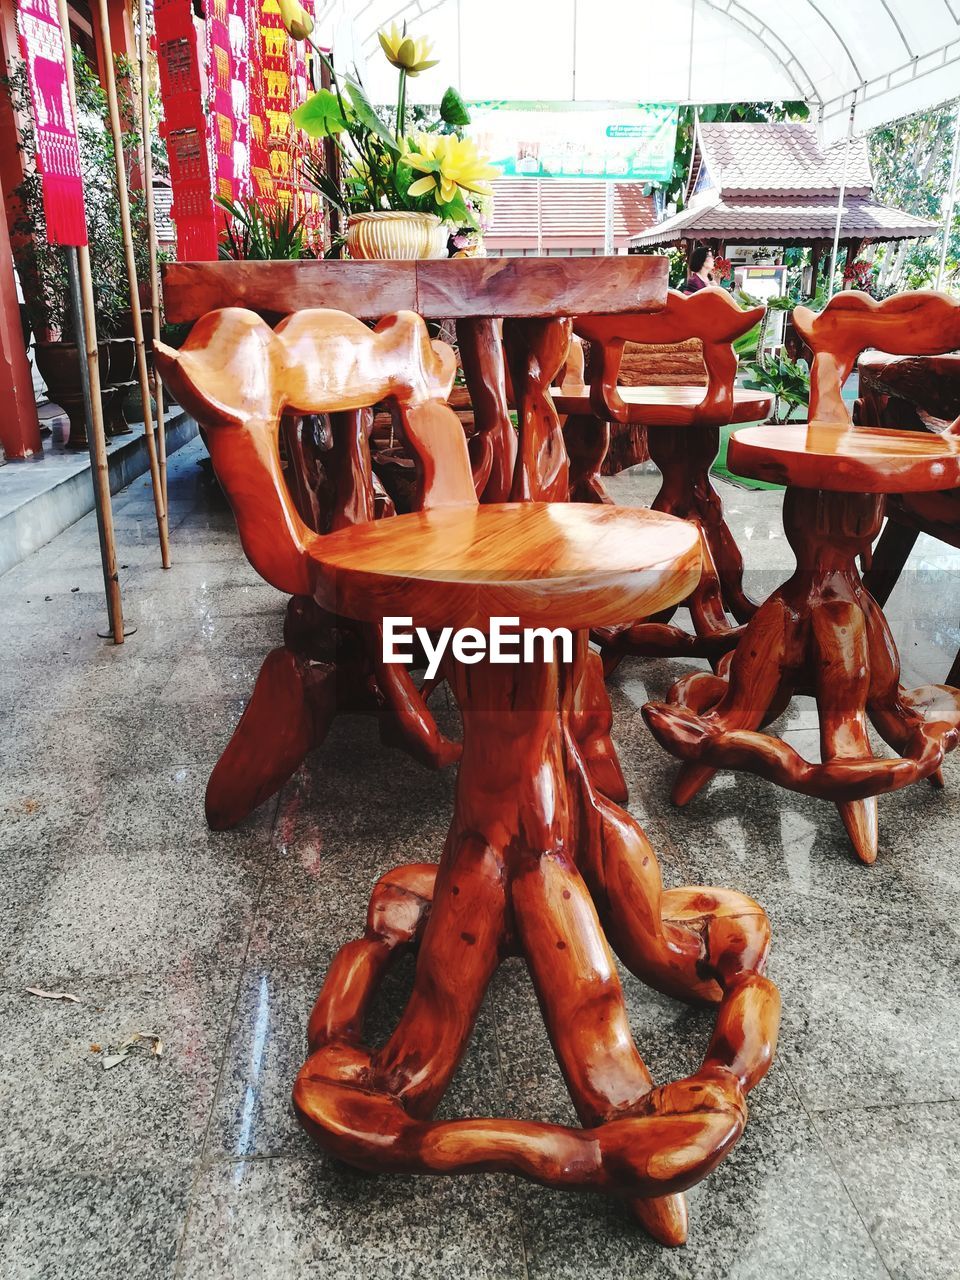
64 1111
163 909
292 1218
85 1224
774 1210
899 1165
854 974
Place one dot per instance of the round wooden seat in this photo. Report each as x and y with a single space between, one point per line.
575 565
844 459
669 406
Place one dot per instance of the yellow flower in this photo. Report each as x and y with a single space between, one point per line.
405 53
295 18
449 163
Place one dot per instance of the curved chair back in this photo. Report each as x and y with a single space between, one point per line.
710 315
236 375
920 323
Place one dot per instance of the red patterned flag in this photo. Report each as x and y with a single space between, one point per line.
58 156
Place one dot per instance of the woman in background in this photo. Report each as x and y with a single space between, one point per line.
701 271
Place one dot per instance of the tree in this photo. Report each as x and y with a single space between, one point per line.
911 170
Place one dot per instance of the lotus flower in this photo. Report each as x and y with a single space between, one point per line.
405 53
295 19
448 162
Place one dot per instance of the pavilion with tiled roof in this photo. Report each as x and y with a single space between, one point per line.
571 216
773 184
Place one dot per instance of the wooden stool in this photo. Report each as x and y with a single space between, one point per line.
538 862
822 633
683 432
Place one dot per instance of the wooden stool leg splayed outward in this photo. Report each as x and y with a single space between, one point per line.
538 862
822 633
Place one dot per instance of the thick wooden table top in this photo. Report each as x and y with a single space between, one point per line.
669 406
564 564
845 459
460 288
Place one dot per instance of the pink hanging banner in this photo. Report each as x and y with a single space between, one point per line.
58 156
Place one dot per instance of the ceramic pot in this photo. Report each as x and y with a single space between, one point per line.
396 236
123 367
59 364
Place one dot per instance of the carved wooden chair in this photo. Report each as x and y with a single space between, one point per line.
538 861
822 633
916 393
683 430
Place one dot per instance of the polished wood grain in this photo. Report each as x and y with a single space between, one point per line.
683 429
667 406
459 288
240 378
822 633
846 459
557 564
538 864
921 322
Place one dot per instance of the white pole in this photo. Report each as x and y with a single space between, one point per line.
608 218
951 197
843 193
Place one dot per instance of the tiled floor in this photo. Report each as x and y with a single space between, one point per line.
113 889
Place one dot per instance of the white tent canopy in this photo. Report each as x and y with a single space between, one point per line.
884 58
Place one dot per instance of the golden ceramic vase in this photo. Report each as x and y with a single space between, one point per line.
396 236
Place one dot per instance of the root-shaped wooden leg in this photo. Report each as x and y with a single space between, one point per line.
591 719
405 720
509 880
706 739
587 440
493 450
842 680
289 712
535 351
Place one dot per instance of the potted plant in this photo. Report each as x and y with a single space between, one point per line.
42 266
403 194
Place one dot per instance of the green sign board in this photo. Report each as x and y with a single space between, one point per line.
622 142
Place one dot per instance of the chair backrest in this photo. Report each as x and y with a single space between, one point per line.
920 323
236 375
710 315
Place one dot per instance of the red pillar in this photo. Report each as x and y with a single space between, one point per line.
19 426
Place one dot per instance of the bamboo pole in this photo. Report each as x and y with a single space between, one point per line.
81 282
145 127
125 227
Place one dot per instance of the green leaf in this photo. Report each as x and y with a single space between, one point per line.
320 116
456 211
453 109
369 118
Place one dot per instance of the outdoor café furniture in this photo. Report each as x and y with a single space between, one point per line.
822 633
538 862
683 429
919 393
327 665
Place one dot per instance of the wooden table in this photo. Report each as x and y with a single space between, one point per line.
328 665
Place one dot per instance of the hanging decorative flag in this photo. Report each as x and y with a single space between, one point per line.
229 83
58 156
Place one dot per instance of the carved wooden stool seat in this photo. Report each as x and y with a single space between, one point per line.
822 633
683 433
538 862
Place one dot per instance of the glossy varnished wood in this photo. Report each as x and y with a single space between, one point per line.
561 564
822 633
683 426
539 862
846 459
458 288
